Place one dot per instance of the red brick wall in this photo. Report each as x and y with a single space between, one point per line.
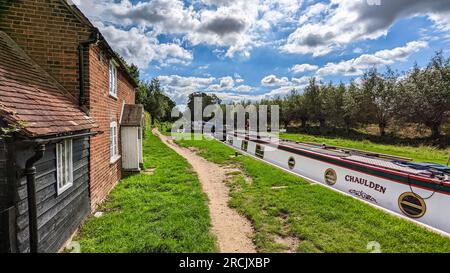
49 33
104 109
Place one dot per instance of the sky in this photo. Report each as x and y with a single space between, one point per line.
255 49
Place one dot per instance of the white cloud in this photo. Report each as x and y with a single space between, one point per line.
225 83
300 68
237 26
238 78
163 16
178 88
141 48
303 80
227 25
358 50
312 11
283 90
228 84
357 66
353 20
401 53
183 82
243 88
273 80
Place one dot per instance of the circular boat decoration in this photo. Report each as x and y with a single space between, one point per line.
330 177
291 163
412 205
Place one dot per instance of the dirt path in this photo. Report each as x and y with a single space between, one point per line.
233 231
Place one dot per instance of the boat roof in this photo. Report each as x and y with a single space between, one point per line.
396 163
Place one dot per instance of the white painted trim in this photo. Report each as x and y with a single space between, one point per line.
67 147
115 159
113 142
113 83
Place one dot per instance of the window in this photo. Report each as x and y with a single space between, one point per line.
64 166
112 79
114 149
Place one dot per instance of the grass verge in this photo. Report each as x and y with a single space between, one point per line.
420 153
161 212
283 205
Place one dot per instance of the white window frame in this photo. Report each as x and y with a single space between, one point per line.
113 142
64 165
112 79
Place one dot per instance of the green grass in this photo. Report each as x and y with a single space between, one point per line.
322 220
420 153
162 212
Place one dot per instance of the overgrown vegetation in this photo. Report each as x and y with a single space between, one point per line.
283 205
7 130
163 211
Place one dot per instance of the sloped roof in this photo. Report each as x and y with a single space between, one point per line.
28 94
132 115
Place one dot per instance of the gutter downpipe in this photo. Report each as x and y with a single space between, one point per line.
95 36
30 172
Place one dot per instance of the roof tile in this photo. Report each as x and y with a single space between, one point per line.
29 94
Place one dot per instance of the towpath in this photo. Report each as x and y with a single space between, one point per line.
233 231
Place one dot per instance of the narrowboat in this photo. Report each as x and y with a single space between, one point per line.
417 191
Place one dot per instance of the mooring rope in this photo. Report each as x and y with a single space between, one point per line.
441 185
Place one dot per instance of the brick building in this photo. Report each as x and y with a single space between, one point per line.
54 33
59 39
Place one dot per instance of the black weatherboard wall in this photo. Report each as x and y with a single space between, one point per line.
4 245
3 180
58 216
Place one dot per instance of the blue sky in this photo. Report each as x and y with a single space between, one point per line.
253 49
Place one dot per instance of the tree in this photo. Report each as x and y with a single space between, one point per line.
333 100
302 114
294 109
207 99
425 94
351 108
132 69
155 101
285 115
380 97
141 94
314 102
